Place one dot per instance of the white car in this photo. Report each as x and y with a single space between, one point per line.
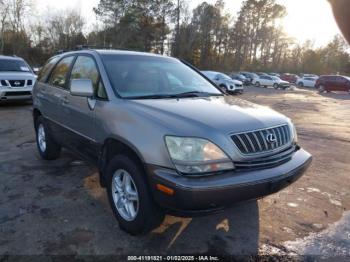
307 81
225 82
274 81
16 79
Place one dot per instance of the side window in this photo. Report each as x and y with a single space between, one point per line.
45 71
341 79
59 74
269 78
85 68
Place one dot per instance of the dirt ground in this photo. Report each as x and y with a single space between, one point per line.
58 207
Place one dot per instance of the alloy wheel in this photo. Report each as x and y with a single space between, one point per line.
41 138
125 195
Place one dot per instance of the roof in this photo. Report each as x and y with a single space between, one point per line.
15 58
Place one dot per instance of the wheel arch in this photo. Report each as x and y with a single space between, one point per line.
113 146
36 114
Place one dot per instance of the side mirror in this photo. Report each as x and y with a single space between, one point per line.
81 87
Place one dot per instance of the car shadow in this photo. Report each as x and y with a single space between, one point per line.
232 232
337 95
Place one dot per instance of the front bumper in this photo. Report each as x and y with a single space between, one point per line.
16 93
201 195
284 85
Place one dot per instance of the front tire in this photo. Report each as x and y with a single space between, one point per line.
224 88
257 84
275 86
301 84
48 148
129 197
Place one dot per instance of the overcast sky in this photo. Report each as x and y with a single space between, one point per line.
306 19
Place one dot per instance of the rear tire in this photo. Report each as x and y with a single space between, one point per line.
148 215
301 84
321 88
48 148
275 85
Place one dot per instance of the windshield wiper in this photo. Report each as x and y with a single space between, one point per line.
196 94
180 95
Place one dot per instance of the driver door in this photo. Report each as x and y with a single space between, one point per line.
79 115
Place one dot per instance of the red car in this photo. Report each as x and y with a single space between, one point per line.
333 83
291 78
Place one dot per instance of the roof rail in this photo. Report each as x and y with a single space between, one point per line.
82 47
87 47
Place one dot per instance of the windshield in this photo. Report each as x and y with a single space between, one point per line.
225 77
138 76
13 65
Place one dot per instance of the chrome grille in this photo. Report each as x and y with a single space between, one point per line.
258 142
17 83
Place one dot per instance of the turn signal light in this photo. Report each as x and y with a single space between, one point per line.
165 190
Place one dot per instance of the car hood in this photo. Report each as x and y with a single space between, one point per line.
283 82
225 114
16 75
234 81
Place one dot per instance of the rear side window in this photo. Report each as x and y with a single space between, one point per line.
341 79
59 74
45 71
85 68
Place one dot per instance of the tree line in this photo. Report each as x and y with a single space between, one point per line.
207 36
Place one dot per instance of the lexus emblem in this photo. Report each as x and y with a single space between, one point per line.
17 83
271 138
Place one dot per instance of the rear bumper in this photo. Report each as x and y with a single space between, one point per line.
197 196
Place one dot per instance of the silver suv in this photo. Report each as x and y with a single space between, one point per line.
16 79
164 137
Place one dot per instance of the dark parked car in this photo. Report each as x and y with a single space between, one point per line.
291 78
249 76
164 137
240 77
333 83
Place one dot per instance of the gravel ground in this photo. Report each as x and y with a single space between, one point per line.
58 207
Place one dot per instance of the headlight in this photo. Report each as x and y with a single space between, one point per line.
294 132
197 155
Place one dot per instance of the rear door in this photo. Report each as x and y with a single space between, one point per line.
308 82
269 80
44 96
55 89
341 84
79 111
263 81
331 83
